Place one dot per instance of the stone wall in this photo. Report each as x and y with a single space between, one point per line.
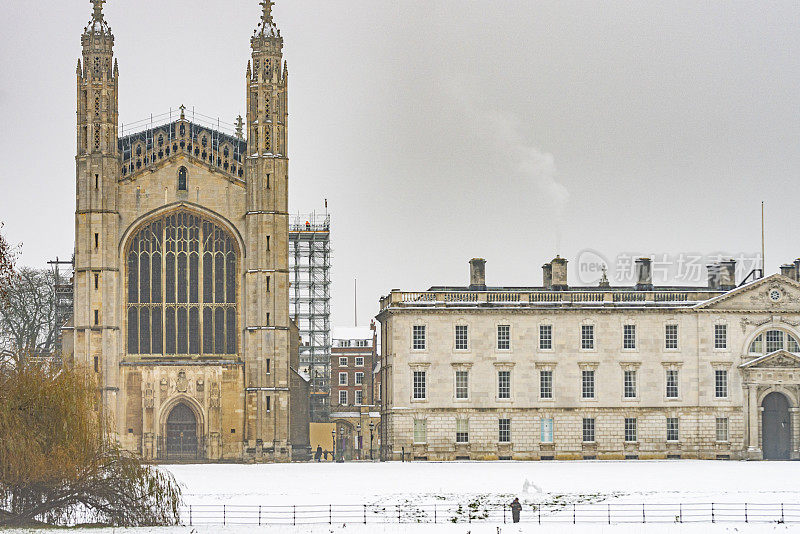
744 312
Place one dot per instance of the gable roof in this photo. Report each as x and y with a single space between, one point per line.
747 288
208 147
779 355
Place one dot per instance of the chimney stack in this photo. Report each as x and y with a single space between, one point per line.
714 275
547 276
559 274
644 274
789 270
477 274
728 275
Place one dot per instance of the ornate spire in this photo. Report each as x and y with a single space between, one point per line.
98 24
98 9
267 27
266 18
239 127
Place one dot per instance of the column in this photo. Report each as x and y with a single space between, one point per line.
753 412
794 417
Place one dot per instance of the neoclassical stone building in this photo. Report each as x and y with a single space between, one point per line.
181 292
560 372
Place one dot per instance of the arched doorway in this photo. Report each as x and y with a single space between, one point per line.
181 433
344 440
776 428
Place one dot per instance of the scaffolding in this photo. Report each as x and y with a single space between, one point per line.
62 281
309 273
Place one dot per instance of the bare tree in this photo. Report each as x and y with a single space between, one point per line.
57 464
28 317
7 257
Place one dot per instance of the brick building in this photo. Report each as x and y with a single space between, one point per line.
355 390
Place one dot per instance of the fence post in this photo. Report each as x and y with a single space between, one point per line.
365 514
224 516
398 513
573 514
745 513
680 513
330 514
190 515
504 513
259 515
434 514
609 513
782 518
540 514
294 515
713 519
644 515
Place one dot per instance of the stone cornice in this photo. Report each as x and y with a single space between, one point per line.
545 311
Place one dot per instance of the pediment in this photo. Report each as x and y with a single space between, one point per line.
774 294
190 162
780 359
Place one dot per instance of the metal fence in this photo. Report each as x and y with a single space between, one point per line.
476 512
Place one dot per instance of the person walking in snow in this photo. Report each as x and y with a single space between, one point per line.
516 509
318 454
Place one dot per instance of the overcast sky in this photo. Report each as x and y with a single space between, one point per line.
441 130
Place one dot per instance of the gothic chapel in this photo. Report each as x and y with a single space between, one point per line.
181 285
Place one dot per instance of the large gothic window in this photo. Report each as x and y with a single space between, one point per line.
182 288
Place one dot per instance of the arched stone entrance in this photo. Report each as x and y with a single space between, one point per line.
776 427
181 433
344 440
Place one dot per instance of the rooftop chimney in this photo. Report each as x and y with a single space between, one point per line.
477 274
728 275
789 270
644 274
559 273
714 275
547 276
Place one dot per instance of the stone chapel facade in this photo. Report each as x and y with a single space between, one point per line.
181 284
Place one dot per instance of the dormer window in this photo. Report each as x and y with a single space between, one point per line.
183 179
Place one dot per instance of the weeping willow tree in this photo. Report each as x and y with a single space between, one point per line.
57 463
58 466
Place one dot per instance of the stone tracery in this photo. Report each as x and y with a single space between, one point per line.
181 275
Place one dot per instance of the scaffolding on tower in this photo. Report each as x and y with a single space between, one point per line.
309 301
63 272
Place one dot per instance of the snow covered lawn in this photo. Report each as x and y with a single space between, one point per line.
480 485
668 481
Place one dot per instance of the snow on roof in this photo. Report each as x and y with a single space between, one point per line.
302 373
351 333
